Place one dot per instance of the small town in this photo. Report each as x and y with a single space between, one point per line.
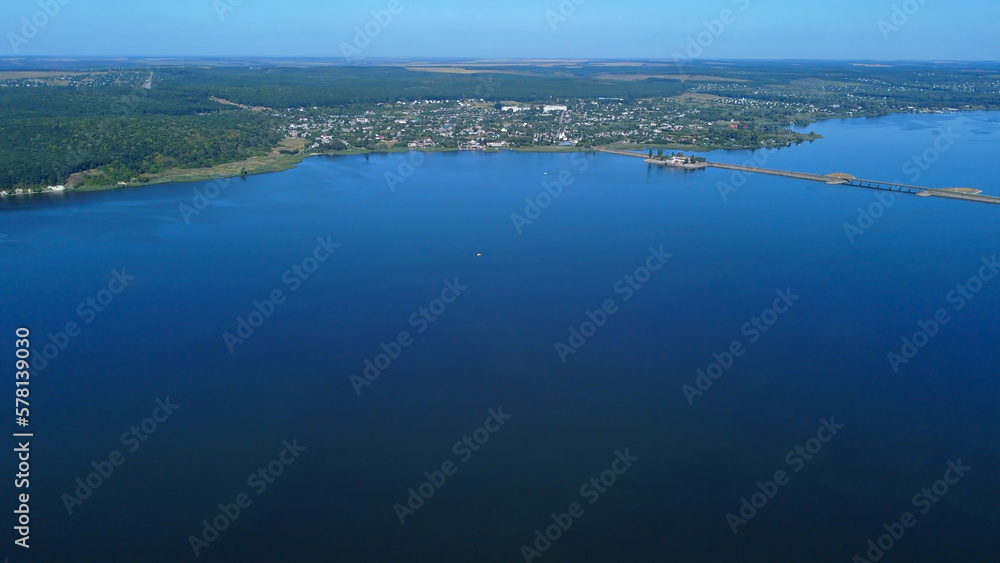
479 125
712 113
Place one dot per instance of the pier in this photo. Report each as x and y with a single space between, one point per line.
838 179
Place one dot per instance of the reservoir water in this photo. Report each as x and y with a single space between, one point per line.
717 352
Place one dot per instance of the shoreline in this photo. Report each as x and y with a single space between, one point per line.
288 162
282 163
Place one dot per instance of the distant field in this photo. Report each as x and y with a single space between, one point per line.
696 97
19 74
693 78
492 64
444 69
462 70
819 82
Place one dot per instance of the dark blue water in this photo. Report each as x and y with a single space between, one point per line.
824 357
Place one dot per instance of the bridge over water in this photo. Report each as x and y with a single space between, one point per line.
965 194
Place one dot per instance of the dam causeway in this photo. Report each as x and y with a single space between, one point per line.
839 179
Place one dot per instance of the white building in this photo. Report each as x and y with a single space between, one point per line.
548 109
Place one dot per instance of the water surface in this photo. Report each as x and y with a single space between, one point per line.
494 346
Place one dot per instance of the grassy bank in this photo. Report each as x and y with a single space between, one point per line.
275 161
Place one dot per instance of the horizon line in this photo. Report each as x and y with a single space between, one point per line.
335 58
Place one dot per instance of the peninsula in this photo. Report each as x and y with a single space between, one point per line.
100 124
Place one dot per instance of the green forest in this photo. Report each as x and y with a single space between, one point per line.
48 133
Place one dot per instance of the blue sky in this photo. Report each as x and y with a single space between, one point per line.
845 29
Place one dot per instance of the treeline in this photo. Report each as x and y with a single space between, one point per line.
49 133
47 151
59 101
282 88
873 101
